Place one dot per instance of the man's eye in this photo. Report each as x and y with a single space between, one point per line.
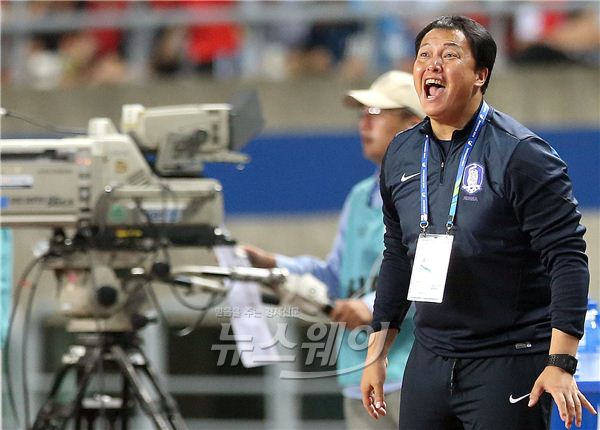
450 55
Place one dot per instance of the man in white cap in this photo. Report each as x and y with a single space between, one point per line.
389 106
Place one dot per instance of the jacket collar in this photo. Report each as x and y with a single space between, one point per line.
459 136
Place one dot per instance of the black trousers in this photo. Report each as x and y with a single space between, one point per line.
440 393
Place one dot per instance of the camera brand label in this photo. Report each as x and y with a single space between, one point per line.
16 181
51 201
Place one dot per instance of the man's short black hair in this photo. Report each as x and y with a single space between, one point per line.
480 40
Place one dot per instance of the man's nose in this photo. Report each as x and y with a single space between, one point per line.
364 122
435 63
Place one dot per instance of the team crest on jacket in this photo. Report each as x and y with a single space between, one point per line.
473 178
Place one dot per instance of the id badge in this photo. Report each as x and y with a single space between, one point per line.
430 268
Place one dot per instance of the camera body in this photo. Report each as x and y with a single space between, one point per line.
103 182
117 200
143 179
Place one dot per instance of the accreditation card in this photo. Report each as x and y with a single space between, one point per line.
430 268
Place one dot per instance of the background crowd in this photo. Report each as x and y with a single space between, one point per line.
50 44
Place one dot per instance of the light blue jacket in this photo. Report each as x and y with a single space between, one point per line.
350 271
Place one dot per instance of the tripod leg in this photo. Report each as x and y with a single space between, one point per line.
45 417
125 393
53 415
168 402
155 411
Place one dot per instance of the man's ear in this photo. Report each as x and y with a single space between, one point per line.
482 75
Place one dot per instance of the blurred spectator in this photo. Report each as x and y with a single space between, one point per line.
167 55
109 40
389 47
578 36
203 46
83 63
43 66
545 35
209 43
108 65
318 47
274 51
40 9
324 48
353 46
64 59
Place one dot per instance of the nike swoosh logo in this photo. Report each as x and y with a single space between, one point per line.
405 178
518 399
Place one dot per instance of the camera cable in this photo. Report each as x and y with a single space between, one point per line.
11 322
25 342
12 114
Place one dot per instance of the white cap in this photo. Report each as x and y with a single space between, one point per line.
392 90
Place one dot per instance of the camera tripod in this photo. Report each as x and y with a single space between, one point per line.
120 351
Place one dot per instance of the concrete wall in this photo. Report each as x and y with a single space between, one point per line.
557 96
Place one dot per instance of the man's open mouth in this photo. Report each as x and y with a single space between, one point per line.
433 88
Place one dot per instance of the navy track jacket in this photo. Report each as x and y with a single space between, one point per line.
518 266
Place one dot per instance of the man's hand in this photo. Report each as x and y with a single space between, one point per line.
563 388
259 257
371 387
353 312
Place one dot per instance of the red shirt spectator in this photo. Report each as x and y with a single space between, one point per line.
108 39
206 42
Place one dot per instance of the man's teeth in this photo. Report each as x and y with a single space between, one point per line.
433 87
433 82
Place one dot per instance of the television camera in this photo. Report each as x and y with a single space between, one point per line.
117 201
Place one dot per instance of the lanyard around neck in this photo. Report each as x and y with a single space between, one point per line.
461 170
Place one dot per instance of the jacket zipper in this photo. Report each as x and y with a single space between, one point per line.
443 162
